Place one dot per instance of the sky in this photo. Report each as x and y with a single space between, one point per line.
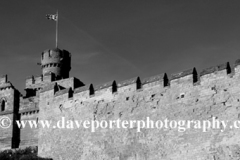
119 39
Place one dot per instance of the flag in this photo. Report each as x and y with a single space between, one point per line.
53 17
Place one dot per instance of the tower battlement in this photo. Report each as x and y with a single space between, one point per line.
56 61
34 81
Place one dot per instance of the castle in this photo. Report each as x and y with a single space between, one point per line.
213 92
56 65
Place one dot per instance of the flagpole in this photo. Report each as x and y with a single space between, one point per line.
57 31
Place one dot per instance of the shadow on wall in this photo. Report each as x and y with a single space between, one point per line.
29 153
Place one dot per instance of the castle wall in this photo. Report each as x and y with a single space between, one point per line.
28 111
6 134
29 108
9 137
29 136
186 96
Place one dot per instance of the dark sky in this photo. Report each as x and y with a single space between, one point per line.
119 39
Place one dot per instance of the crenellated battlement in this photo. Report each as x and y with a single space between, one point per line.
36 81
68 91
187 77
5 84
182 74
56 61
54 55
224 66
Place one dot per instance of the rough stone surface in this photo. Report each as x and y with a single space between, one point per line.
215 95
9 98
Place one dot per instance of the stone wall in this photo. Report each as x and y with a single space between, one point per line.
215 92
9 137
28 111
29 136
29 105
